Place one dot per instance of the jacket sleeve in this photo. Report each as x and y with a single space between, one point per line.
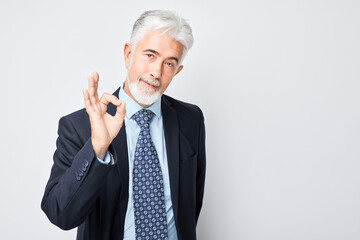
75 180
201 167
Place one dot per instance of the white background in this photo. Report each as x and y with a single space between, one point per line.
278 82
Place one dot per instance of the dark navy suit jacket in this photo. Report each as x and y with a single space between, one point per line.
82 192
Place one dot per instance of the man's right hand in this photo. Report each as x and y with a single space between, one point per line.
104 127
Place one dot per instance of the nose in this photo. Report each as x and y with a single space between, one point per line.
156 69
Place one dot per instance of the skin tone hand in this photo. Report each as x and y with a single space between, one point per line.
104 127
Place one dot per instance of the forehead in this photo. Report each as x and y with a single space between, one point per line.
161 43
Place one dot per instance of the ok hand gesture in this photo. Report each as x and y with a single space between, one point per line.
104 127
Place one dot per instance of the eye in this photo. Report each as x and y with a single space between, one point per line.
149 55
169 64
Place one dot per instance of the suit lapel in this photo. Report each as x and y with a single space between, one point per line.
171 131
120 149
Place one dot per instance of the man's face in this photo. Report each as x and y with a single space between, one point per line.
151 67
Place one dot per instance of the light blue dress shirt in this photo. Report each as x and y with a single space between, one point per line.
158 137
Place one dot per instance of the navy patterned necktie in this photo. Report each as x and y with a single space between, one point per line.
148 187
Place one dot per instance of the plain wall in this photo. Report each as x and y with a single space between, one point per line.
278 82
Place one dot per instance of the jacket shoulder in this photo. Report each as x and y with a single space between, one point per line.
79 116
184 109
75 122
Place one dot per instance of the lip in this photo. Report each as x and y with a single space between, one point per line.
149 85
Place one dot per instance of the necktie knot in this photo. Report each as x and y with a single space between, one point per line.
143 117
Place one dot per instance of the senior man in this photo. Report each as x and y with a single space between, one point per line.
131 165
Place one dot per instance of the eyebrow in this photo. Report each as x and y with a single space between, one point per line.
157 53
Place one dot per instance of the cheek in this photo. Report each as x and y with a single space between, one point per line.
134 72
138 69
165 83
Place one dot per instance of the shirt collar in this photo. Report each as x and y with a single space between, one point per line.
132 107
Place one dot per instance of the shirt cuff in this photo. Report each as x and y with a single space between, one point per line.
108 159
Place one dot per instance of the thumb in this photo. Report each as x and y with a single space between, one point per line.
120 112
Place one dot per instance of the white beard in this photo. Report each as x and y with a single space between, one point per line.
144 95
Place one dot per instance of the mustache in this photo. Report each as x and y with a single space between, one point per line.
152 81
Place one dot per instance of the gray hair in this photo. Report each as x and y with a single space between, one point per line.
167 22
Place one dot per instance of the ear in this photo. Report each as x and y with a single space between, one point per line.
179 69
127 54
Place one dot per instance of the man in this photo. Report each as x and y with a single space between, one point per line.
132 165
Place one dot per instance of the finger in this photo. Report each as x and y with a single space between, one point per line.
96 79
91 86
121 111
96 76
92 89
106 98
86 99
